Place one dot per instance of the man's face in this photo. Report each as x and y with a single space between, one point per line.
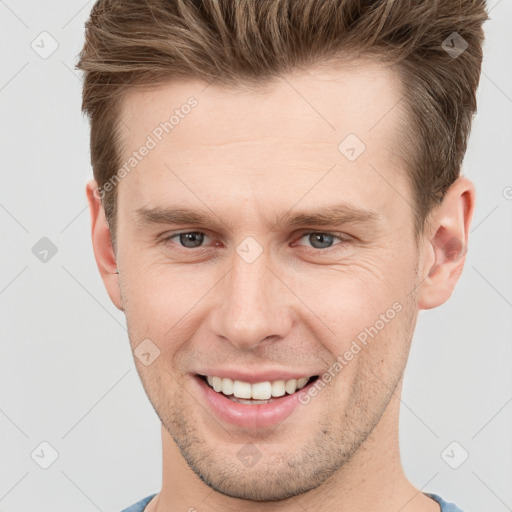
252 297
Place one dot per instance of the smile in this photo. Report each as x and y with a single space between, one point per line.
258 392
252 405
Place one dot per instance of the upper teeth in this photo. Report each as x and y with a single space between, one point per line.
258 390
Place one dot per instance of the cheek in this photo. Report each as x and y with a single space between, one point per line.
360 304
352 295
161 303
157 287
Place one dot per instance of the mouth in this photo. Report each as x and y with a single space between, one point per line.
252 405
257 393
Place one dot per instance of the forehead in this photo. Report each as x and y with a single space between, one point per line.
278 142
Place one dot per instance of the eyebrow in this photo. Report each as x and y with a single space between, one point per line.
329 216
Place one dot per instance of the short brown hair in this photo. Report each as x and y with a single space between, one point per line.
133 44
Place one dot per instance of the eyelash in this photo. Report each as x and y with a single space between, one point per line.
343 241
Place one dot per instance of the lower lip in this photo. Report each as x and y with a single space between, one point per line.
247 415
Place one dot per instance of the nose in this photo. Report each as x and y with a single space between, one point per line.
253 309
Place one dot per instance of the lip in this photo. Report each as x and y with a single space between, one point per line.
253 377
247 415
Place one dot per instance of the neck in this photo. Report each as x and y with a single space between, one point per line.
373 479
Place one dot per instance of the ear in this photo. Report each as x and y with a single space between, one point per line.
449 230
102 244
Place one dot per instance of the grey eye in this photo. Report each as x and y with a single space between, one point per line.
320 240
191 240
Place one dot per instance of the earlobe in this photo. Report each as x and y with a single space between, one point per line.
102 244
451 221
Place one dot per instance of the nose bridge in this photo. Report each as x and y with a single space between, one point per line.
251 304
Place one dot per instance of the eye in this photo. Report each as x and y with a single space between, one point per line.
318 239
189 239
321 240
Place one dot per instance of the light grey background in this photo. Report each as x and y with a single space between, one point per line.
67 374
